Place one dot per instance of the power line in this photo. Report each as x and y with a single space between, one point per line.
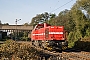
62 6
56 4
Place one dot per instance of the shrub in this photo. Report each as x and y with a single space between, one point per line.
18 51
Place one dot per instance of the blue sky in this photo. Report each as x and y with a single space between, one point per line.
10 10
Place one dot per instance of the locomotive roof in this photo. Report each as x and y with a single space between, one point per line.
43 24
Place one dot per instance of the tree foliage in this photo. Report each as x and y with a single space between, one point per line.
26 24
81 21
41 18
84 5
63 19
4 23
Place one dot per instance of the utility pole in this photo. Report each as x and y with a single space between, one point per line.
16 28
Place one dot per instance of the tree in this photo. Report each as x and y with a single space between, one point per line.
63 19
84 5
25 24
6 24
82 23
36 20
41 18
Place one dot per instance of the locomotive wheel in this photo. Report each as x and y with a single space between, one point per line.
64 47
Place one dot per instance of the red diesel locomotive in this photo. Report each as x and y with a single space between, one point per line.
49 37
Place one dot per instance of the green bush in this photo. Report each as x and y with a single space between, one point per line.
72 38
